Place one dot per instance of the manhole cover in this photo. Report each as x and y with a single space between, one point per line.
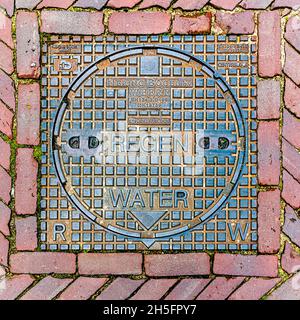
150 143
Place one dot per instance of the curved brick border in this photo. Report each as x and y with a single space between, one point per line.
270 274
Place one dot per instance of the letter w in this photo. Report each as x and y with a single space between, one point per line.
119 197
238 231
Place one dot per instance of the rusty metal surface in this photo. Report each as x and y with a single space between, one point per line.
149 142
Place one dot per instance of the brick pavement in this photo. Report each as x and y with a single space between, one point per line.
271 274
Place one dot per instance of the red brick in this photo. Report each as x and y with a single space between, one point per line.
26 182
292 34
268 99
292 97
139 22
291 129
290 260
6 58
177 264
82 288
291 159
293 4
154 289
88 23
5 186
97 4
220 288
5 30
4 246
116 4
4 154
289 290
43 262
254 289
187 289
291 190
245 265
292 61
151 3
192 25
6 117
5 214
255 4
269 221
27 4
7 90
28 45
8 5
269 36
15 286
268 153
292 225
236 23
120 289
28 116
46 289
110 263
226 5
26 234
63 4
191 4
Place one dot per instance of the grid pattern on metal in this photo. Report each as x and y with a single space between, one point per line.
97 103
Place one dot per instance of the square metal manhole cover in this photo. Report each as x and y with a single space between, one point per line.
149 142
